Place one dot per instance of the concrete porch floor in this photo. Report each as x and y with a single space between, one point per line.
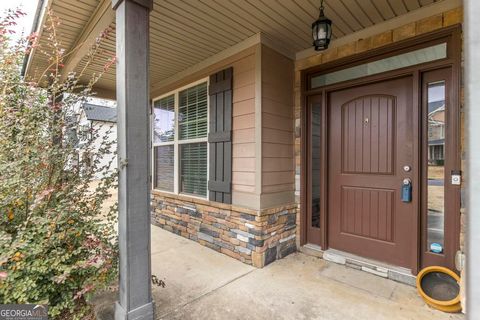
204 284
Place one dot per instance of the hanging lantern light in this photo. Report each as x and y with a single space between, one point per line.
321 31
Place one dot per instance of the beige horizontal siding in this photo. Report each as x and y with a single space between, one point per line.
276 150
243 107
279 192
243 164
243 127
244 93
277 122
278 167
243 150
246 135
244 121
277 164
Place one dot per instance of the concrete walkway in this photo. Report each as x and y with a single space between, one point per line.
204 284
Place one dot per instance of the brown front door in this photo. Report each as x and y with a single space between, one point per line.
370 153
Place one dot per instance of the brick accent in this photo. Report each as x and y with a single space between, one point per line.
255 237
452 17
430 24
364 44
404 32
346 50
382 39
330 55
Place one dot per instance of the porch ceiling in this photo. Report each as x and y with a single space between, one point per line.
184 33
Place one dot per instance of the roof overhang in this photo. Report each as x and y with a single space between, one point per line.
188 36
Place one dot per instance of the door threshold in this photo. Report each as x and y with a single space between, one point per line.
312 250
376 268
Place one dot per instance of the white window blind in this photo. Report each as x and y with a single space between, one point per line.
164 167
193 168
192 120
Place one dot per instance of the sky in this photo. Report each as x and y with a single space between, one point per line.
27 6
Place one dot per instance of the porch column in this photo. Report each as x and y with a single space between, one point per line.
132 31
472 136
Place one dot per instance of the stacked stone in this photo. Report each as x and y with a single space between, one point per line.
256 237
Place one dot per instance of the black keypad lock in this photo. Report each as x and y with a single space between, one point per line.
407 190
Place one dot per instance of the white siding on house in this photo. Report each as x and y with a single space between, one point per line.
107 130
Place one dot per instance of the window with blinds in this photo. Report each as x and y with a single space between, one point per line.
180 130
193 168
164 167
192 109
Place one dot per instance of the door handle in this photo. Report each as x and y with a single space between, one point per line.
406 193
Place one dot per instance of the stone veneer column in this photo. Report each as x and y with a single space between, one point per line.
132 43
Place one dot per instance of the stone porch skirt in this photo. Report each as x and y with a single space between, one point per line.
255 237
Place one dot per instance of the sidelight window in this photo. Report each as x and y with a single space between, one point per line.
315 163
436 166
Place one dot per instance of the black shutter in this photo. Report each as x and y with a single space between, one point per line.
220 136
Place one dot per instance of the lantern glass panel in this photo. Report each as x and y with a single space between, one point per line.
322 31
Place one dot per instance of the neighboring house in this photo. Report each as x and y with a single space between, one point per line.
262 146
103 121
436 133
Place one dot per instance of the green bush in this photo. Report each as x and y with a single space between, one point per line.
57 241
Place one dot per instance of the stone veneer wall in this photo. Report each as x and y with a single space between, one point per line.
384 37
255 237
